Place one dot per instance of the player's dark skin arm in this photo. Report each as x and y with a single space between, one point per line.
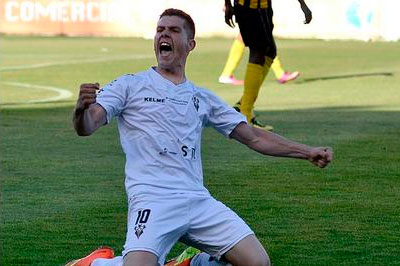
229 14
306 11
88 116
268 143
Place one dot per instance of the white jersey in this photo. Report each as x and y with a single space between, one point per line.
160 126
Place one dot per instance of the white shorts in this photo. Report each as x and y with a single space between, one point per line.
155 224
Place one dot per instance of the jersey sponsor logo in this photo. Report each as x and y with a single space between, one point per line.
189 153
196 103
177 101
141 220
165 151
154 100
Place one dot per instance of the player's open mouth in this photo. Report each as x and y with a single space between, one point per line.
165 48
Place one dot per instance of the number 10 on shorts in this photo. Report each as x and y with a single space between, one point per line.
141 220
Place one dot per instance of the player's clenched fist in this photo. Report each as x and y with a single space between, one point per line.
87 95
321 156
88 117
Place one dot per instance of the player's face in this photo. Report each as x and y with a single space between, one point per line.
171 42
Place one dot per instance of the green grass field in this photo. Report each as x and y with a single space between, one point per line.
63 195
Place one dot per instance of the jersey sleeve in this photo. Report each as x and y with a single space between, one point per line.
222 117
113 96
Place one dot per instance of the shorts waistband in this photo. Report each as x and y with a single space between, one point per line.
254 4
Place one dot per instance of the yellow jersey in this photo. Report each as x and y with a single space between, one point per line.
253 3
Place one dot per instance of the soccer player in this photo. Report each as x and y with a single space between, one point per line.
234 57
161 116
255 23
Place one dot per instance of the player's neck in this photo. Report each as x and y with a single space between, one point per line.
175 75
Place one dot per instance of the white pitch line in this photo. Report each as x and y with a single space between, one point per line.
74 62
62 93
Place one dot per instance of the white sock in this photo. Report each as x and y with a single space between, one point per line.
203 259
117 261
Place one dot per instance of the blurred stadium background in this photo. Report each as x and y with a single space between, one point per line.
62 195
339 19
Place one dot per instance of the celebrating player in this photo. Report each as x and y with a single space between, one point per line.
161 116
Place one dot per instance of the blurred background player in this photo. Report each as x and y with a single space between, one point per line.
234 57
255 23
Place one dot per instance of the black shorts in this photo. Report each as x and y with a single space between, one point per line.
256 28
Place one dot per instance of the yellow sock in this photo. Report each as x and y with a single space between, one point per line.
269 63
277 68
235 54
252 82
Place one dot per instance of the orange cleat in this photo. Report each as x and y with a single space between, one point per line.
100 253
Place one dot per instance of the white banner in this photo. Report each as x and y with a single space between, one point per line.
332 19
340 19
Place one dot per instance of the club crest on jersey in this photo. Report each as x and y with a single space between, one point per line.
196 103
139 229
141 220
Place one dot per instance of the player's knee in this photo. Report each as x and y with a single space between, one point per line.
140 258
257 57
271 53
262 260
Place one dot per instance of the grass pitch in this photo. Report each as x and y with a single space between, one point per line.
63 195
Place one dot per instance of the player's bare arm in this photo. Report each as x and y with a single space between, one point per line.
229 14
88 116
306 11
268 143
